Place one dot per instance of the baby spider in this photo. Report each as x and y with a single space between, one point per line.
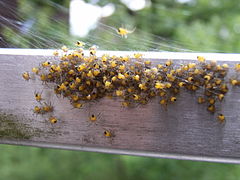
201 100
53 120
173 99
201 59
93 50
94 117
221 118
37 110
77 105
38 96
56 53
124 32
126 104
26 76
80 44
47 108
64 49
35 70
108 134
138 55
46 64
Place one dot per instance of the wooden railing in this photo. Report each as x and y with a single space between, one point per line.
184 131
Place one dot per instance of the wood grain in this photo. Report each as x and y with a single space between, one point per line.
184 131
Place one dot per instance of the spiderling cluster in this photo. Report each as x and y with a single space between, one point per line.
85 78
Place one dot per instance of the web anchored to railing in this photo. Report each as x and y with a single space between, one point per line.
181 128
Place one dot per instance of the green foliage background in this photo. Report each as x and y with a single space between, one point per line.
25 163
199 25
